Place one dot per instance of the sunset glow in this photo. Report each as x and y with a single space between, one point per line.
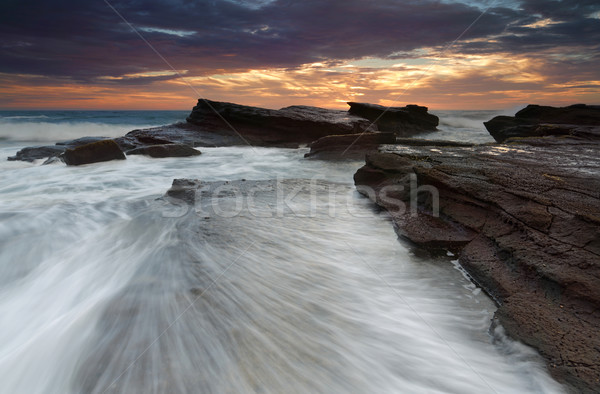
510 56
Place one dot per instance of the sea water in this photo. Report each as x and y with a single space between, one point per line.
107 287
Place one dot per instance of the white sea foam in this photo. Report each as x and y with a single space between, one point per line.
41 132
8 117
459 122
100 290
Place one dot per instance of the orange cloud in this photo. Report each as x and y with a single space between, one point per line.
458 82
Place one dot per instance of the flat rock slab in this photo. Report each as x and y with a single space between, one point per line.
525 219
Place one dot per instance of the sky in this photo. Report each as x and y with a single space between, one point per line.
165 54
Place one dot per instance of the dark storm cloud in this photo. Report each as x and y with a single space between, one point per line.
573 25
86 39
572 10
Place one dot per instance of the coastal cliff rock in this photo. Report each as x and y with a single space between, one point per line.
94 152
291 125
403 121
526 222
539 121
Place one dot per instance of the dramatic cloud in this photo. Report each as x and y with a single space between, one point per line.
87 43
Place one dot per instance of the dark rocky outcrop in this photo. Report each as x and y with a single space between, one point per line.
404 121
165 150
526 222
94 152
213 123
260 126
539 121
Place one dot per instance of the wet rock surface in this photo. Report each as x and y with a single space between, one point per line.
99 151
526 221
539 121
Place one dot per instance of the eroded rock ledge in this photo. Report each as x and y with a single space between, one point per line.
526 221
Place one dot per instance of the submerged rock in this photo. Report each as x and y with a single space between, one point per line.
539 121
94 152
403 121
526 220
165 150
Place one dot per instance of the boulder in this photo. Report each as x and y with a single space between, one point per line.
165 150
540 121
525 221
403 121
94 152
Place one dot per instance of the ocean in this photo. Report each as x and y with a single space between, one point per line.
299 285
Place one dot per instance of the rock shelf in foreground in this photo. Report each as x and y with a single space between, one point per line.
526 221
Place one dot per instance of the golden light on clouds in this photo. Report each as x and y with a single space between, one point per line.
457 82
